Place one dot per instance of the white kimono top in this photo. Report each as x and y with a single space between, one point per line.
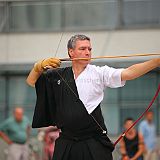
92 82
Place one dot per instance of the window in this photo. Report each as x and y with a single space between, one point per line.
20 94
2 98
76 15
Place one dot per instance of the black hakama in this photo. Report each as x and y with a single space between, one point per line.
58 104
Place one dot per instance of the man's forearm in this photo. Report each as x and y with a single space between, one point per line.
5 138
32 77
140 69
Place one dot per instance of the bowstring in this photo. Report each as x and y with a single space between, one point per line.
59 44
58 72
103 131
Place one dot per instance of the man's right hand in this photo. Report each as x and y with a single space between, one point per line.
46 63
5 138
9 142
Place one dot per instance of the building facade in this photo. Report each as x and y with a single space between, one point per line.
33 30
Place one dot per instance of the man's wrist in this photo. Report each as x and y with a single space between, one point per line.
9 142
38 67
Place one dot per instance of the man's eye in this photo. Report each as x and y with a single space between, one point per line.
85 49
82 48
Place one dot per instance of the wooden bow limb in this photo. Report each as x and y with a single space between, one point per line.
110 57
141 116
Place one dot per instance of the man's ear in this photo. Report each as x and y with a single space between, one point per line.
70 53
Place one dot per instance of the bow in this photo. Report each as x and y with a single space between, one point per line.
111 57
141 116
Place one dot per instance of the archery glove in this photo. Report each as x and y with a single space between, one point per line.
40 66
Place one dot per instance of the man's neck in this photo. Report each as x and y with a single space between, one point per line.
150 122
78 69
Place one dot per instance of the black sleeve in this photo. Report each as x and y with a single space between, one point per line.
45 109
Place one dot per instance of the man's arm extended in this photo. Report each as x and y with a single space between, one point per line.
139 69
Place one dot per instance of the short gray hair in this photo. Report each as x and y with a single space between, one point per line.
72 42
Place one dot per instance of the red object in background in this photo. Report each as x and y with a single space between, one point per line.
51 134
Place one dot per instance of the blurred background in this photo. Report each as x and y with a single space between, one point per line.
31 30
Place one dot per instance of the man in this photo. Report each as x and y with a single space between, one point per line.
70 99
148 129
15 132
132 145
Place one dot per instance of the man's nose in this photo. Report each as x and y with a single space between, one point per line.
88 51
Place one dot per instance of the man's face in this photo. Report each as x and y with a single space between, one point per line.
82 50
18 114
149 116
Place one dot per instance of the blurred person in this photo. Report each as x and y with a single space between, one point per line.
15 132
132 145
70 98
51 134
148 129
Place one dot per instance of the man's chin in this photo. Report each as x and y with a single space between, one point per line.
85 62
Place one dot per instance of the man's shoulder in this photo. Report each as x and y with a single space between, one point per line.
52 75
98 69
26 119
57 70
8 121
92 66
143 123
